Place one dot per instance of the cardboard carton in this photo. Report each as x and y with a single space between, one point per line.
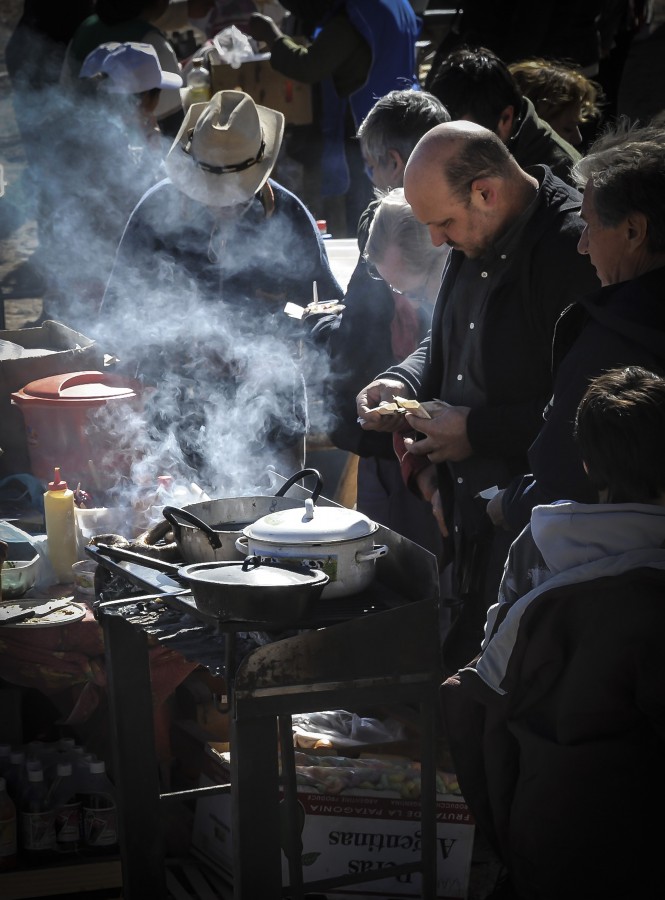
265 86
352 832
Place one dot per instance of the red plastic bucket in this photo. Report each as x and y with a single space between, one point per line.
61 428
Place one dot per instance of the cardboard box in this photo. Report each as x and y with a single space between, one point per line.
52 349
354 832
265 86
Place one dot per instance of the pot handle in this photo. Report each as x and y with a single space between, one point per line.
172 514
378 551
241 546
318 487
251 562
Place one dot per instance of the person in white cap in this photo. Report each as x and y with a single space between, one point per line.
106 152
207 261
131 69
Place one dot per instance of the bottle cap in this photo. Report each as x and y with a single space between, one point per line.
65 744
57 484
322 225
36 774
97 767
63 769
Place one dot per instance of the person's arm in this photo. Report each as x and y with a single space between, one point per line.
336 43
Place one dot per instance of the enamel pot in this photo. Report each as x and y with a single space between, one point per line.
335 540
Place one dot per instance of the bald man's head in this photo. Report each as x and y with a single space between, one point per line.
462 152
463 183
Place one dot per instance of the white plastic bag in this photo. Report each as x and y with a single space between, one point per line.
233 46
45 574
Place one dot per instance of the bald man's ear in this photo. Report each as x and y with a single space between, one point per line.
483 192
504 127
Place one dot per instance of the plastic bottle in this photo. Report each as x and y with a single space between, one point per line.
198 82
60 528
5 752
15 774
100 819
7 829
36 819
65 801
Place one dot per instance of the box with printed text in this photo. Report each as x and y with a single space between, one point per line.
357 831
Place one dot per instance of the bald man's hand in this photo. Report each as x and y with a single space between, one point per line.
445 438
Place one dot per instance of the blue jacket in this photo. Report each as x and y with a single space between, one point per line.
391 29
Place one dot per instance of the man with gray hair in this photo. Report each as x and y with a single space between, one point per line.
622 324
512 270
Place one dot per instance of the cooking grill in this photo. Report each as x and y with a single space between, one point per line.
374 648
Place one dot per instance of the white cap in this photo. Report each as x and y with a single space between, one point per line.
97 767
130 68
36 774
63 769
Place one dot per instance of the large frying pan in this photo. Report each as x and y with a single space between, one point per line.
252 591
208 531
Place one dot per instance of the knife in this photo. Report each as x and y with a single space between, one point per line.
12 612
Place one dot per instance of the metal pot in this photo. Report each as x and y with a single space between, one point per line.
336 540
255 591
215 525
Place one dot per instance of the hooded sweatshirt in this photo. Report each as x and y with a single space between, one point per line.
567 543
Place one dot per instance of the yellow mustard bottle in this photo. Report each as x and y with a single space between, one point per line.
60 528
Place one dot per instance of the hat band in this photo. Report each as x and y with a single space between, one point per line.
222 170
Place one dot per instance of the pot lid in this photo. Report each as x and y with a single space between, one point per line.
89 386
312 525
252 572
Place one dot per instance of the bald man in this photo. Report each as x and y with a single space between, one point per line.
513 268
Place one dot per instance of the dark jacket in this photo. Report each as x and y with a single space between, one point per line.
564 772
534 142
542 279
619 325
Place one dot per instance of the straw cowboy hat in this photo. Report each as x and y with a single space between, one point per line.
225 149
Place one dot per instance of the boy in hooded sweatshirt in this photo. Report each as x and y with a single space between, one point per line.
557 729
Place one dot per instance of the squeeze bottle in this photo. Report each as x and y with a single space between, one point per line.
60 528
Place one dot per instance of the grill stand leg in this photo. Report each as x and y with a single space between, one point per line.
135 765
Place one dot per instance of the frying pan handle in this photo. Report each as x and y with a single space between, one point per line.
122 555
318 487
172 514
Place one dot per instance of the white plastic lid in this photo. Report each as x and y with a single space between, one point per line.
63 769
97 767
311 524
36 774
66 744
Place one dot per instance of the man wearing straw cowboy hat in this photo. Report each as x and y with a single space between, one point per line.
209 257
227 230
